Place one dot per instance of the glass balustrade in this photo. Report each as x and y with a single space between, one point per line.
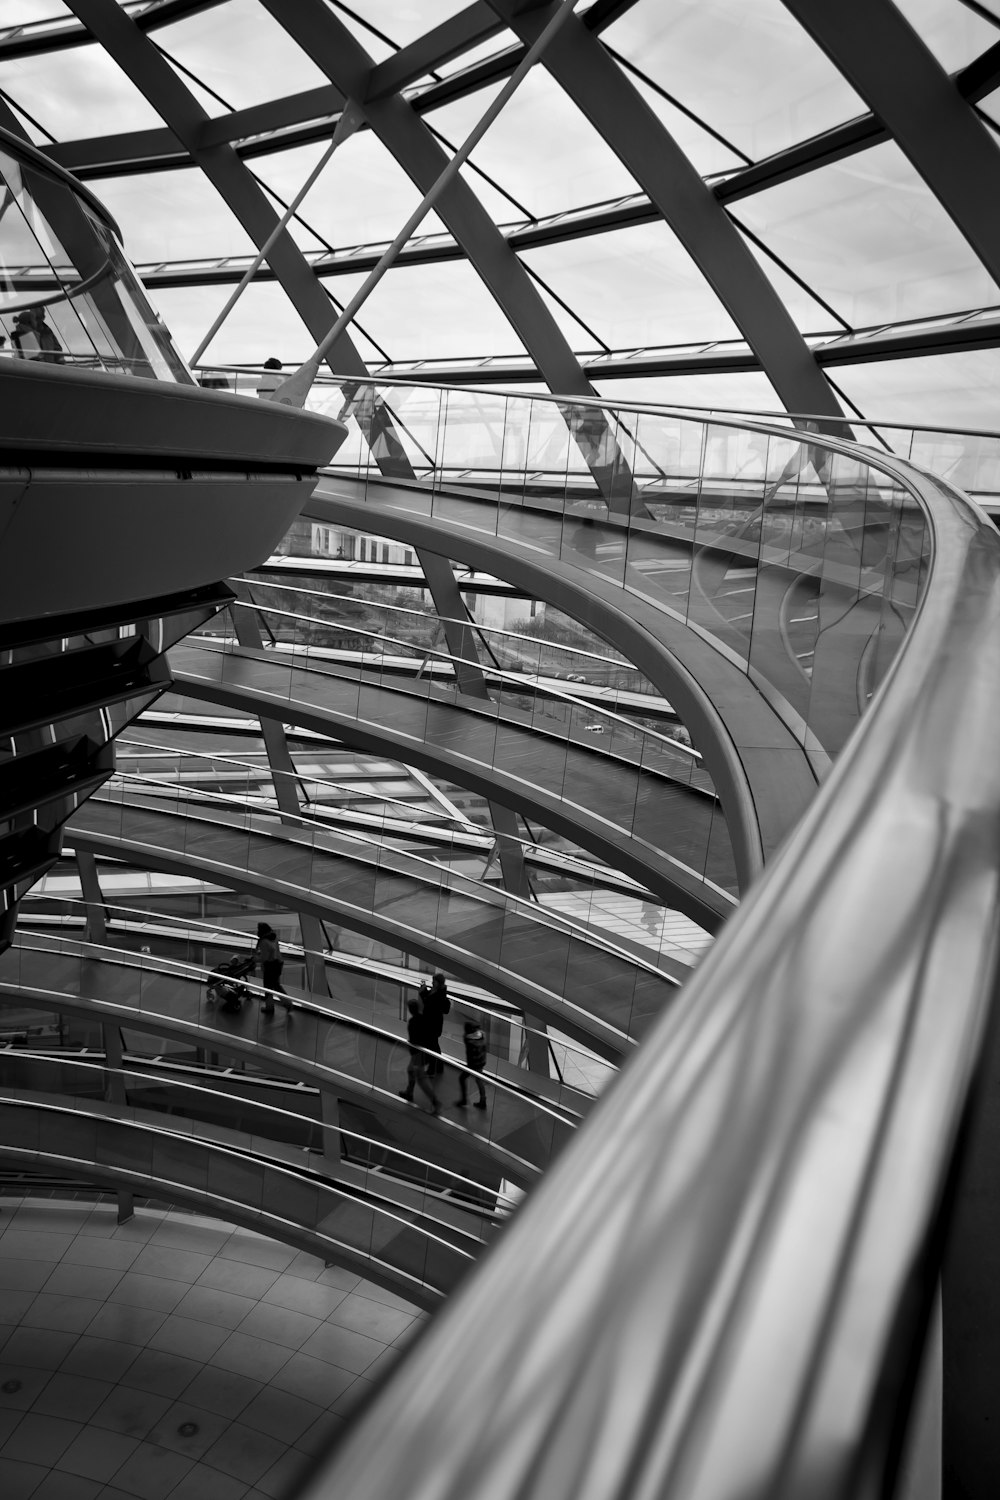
603 768
593 986
800 558
232 1177
376 1165
68 295
367 993
528 1116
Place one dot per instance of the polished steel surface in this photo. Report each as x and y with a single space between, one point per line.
721 1288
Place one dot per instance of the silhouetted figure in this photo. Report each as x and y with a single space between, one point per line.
418 1031
435 1004
268 954
34 339
474 1038
270 380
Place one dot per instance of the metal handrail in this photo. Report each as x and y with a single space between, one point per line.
217 934
213 1092
722 1287
444 875
165 967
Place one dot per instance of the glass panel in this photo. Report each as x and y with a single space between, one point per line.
952 31
951 389
173 216
362 197
576 166
635 287
77 93
869 237
226 47
768 85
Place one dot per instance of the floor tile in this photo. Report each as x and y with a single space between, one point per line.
253 1251
162 1373
130 1412
91 1251
321 1434
59 1486
337 1276
283 1477
222 1391
209 1305
97 1453
346 1403
83 1281
74 1396
204 1483
376 1319
188 1337
180 1234
156 1293
107 1359
306 1267
14 1305
382 1294
304 1296
343 1347
174 1265
19 1481
187 1429
281 1415
64 1314
244 1453
255 1358
138 1230
35 1435
235 1276
19 1385
17 1245
279 1325
24 1275
44 1348
312 1379
128 1325
152 1472
9 1418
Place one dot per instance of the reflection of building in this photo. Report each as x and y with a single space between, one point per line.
348 546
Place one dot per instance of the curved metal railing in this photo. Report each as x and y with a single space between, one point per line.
722 1287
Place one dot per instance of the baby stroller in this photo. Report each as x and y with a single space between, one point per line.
224 983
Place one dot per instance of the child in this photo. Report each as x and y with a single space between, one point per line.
475 1057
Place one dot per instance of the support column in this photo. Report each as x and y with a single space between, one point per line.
330 1116
114 1093
97 927
314 939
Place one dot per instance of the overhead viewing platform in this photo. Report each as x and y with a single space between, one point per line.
127 496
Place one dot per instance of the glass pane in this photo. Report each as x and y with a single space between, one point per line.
635 287
768 85
869 237
226 47
953 32
77 93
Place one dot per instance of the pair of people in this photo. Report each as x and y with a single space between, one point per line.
423 1030
33 338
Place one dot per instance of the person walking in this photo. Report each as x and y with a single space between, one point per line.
435 1004
268 954
418 1071
474 1038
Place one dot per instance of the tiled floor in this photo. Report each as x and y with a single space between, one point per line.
173 1356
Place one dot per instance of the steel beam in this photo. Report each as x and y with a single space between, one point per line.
618 111
330 45
877 50
136 55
